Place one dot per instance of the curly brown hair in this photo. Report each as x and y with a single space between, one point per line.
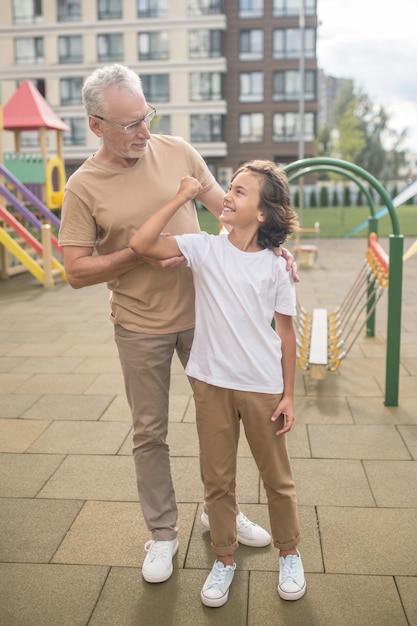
274 202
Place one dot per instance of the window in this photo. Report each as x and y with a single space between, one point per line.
251 8
29 139
109 9
70 90
110 47
286 85
156 87
251 127
251 45
69 10
29 50
251 87
282 8
205 86
205 44
286 127
206 128
205 7
27 11
70 49
287 43
152 8
153 46
76 136
161 125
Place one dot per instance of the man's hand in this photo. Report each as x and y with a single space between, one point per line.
291 264
163 263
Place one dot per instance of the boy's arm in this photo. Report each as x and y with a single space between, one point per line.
148 241
285 329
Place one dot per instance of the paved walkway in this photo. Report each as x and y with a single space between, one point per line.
71 532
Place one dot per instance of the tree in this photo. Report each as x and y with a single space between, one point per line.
362 132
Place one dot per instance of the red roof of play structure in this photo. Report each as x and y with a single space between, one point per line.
28 110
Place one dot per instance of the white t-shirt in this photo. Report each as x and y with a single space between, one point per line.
237 294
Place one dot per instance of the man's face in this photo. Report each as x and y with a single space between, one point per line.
123 107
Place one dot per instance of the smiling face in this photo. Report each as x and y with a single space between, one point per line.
241 202
123 107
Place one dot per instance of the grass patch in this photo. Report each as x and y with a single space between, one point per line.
339 221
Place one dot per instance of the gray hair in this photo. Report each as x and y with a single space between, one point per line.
95 85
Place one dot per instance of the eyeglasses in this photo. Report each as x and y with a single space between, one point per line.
133 127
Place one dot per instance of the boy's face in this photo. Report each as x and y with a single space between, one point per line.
241 202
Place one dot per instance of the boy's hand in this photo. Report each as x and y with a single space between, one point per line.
189 187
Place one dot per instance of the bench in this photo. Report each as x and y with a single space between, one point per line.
306 252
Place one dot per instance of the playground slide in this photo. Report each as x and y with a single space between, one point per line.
402 197
35 268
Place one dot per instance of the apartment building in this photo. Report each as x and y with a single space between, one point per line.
223 75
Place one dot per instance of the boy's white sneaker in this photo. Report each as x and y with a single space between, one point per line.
157 565
292 582
215 591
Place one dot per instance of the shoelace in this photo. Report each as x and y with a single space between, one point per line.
290 568
244 522
219 575
157 549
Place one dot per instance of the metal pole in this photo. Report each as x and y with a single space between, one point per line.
301 107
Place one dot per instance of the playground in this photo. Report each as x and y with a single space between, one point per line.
66 474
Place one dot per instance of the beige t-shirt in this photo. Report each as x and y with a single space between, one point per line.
103 207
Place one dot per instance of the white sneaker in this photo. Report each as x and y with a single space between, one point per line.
292 582
248 533
157 565
215 591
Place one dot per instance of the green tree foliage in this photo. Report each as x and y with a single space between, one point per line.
324 196
361 132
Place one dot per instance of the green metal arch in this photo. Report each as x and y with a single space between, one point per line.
338 170
359 171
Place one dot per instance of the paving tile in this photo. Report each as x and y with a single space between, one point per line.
10 382
56 383
340 385
68 407
373 411
92 349
99 364
47 364
32 530
178 405
183 440
407 587
409 434
81 438
357 541
337 482
41 350
330 599
14 405
357 442
322 410
93 477
127 599
390 482
114 533
23 475
103 383
35 595
16 435
118 409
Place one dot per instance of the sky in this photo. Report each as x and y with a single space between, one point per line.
375 44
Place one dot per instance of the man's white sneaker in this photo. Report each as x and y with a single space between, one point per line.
157 565
248 533
292 582
215 591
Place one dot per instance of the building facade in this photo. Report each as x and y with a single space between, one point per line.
226 76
